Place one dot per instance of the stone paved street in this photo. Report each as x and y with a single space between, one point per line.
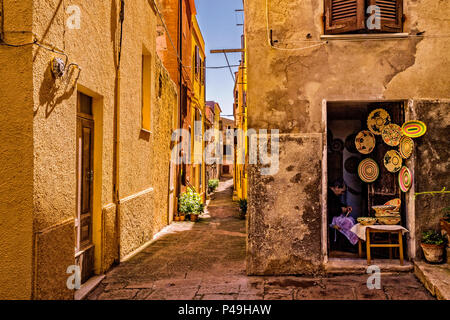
206 261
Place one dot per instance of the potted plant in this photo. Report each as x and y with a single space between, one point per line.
433 244
190 203
212 185
199 209
242 208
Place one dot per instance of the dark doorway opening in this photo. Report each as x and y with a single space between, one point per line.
345 120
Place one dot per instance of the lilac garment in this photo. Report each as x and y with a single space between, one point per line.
345 224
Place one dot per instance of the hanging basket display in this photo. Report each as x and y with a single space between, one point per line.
351 165
406 147
337 145
392 134
350 143
414 129
393 161
365 142
377 120
368 170
405 179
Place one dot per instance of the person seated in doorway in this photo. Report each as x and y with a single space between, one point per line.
338 217
335 206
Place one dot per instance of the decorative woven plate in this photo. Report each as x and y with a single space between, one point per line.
337 145
368 170
414 129
406 147
393 161
365 142
377 120
405 179
350 143
392 134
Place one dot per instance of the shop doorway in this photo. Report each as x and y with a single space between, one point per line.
344 121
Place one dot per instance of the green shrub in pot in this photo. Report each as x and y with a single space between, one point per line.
433 245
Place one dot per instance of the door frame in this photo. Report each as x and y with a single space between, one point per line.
83 250
410 202
99 210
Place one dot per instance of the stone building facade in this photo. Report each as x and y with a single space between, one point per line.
174 46
87 154
302 73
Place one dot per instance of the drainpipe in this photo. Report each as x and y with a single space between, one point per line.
180 73
116 158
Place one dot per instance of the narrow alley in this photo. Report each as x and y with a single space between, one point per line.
206 261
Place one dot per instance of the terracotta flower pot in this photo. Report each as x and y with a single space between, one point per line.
433 253
194 217
182 217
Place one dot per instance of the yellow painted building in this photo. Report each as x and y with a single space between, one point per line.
240 116
198 113
85 155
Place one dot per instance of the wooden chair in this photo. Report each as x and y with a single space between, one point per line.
389 245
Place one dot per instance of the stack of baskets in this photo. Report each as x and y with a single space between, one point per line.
388 214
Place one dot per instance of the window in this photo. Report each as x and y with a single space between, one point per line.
203 72
356 16
84 104
197 61
146 92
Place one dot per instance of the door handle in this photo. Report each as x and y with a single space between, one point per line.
90 175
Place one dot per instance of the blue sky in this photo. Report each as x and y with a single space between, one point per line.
217 20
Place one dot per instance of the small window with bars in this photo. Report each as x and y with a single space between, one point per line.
359 16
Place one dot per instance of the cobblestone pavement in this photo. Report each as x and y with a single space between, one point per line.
206 261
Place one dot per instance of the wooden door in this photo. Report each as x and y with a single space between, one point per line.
85 176
172 198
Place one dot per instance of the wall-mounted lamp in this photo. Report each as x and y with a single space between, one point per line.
58 67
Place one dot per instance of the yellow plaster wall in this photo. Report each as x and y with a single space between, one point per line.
198 101
16 154
38 166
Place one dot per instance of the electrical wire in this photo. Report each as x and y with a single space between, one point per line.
322 42
288 49
40 45
161 17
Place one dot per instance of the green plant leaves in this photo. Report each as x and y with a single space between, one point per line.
433 237
190 202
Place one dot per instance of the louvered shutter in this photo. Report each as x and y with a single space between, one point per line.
343 16
391 14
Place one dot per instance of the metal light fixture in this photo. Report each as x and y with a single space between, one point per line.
58 67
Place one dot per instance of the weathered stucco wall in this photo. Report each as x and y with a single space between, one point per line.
16 155
432 165
38 195
283 226
286 88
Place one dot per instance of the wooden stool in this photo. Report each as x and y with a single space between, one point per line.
389 245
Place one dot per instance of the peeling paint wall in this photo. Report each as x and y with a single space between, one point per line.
287 87
432 166
38 162
283 224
